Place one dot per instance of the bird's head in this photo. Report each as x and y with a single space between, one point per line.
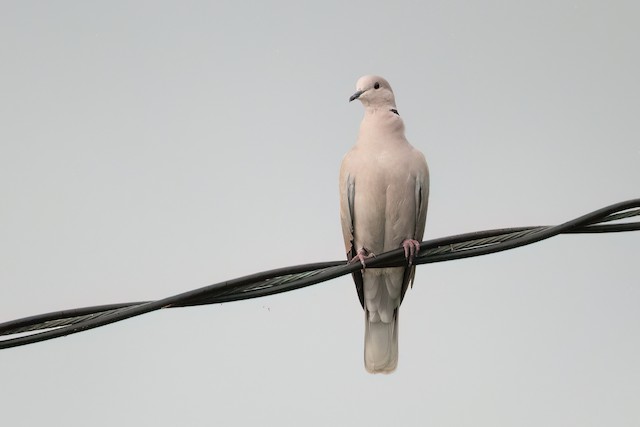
374 91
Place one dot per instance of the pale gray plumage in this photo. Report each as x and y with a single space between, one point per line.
384 188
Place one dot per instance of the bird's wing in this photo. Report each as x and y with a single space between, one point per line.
421 202
422 194
347 197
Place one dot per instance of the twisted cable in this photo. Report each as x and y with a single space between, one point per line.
60 323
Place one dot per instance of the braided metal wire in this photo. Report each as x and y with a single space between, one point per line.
61 323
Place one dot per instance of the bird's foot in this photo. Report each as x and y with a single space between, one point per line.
361 256
411 249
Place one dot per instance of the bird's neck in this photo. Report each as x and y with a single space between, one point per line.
378 107
381 124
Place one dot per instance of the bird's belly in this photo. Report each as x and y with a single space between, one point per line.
384 213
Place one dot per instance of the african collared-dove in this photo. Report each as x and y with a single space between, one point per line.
384 189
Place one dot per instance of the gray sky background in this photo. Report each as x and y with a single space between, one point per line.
148 148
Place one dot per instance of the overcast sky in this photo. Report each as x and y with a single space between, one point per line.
149 147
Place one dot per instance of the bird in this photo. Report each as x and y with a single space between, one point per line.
384 191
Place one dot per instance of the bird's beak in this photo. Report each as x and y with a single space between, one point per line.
356 95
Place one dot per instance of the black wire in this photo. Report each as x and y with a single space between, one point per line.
286 279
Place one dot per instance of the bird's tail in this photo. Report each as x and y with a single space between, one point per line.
381 344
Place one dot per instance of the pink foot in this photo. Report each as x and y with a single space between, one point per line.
361 256
411 249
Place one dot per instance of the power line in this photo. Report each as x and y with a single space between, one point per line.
66 322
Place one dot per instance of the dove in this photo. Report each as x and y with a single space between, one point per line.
384 191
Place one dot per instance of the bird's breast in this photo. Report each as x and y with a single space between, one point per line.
384 204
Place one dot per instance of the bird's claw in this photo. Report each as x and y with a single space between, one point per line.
361 256
411 249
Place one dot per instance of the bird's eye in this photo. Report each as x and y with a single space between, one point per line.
376 85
